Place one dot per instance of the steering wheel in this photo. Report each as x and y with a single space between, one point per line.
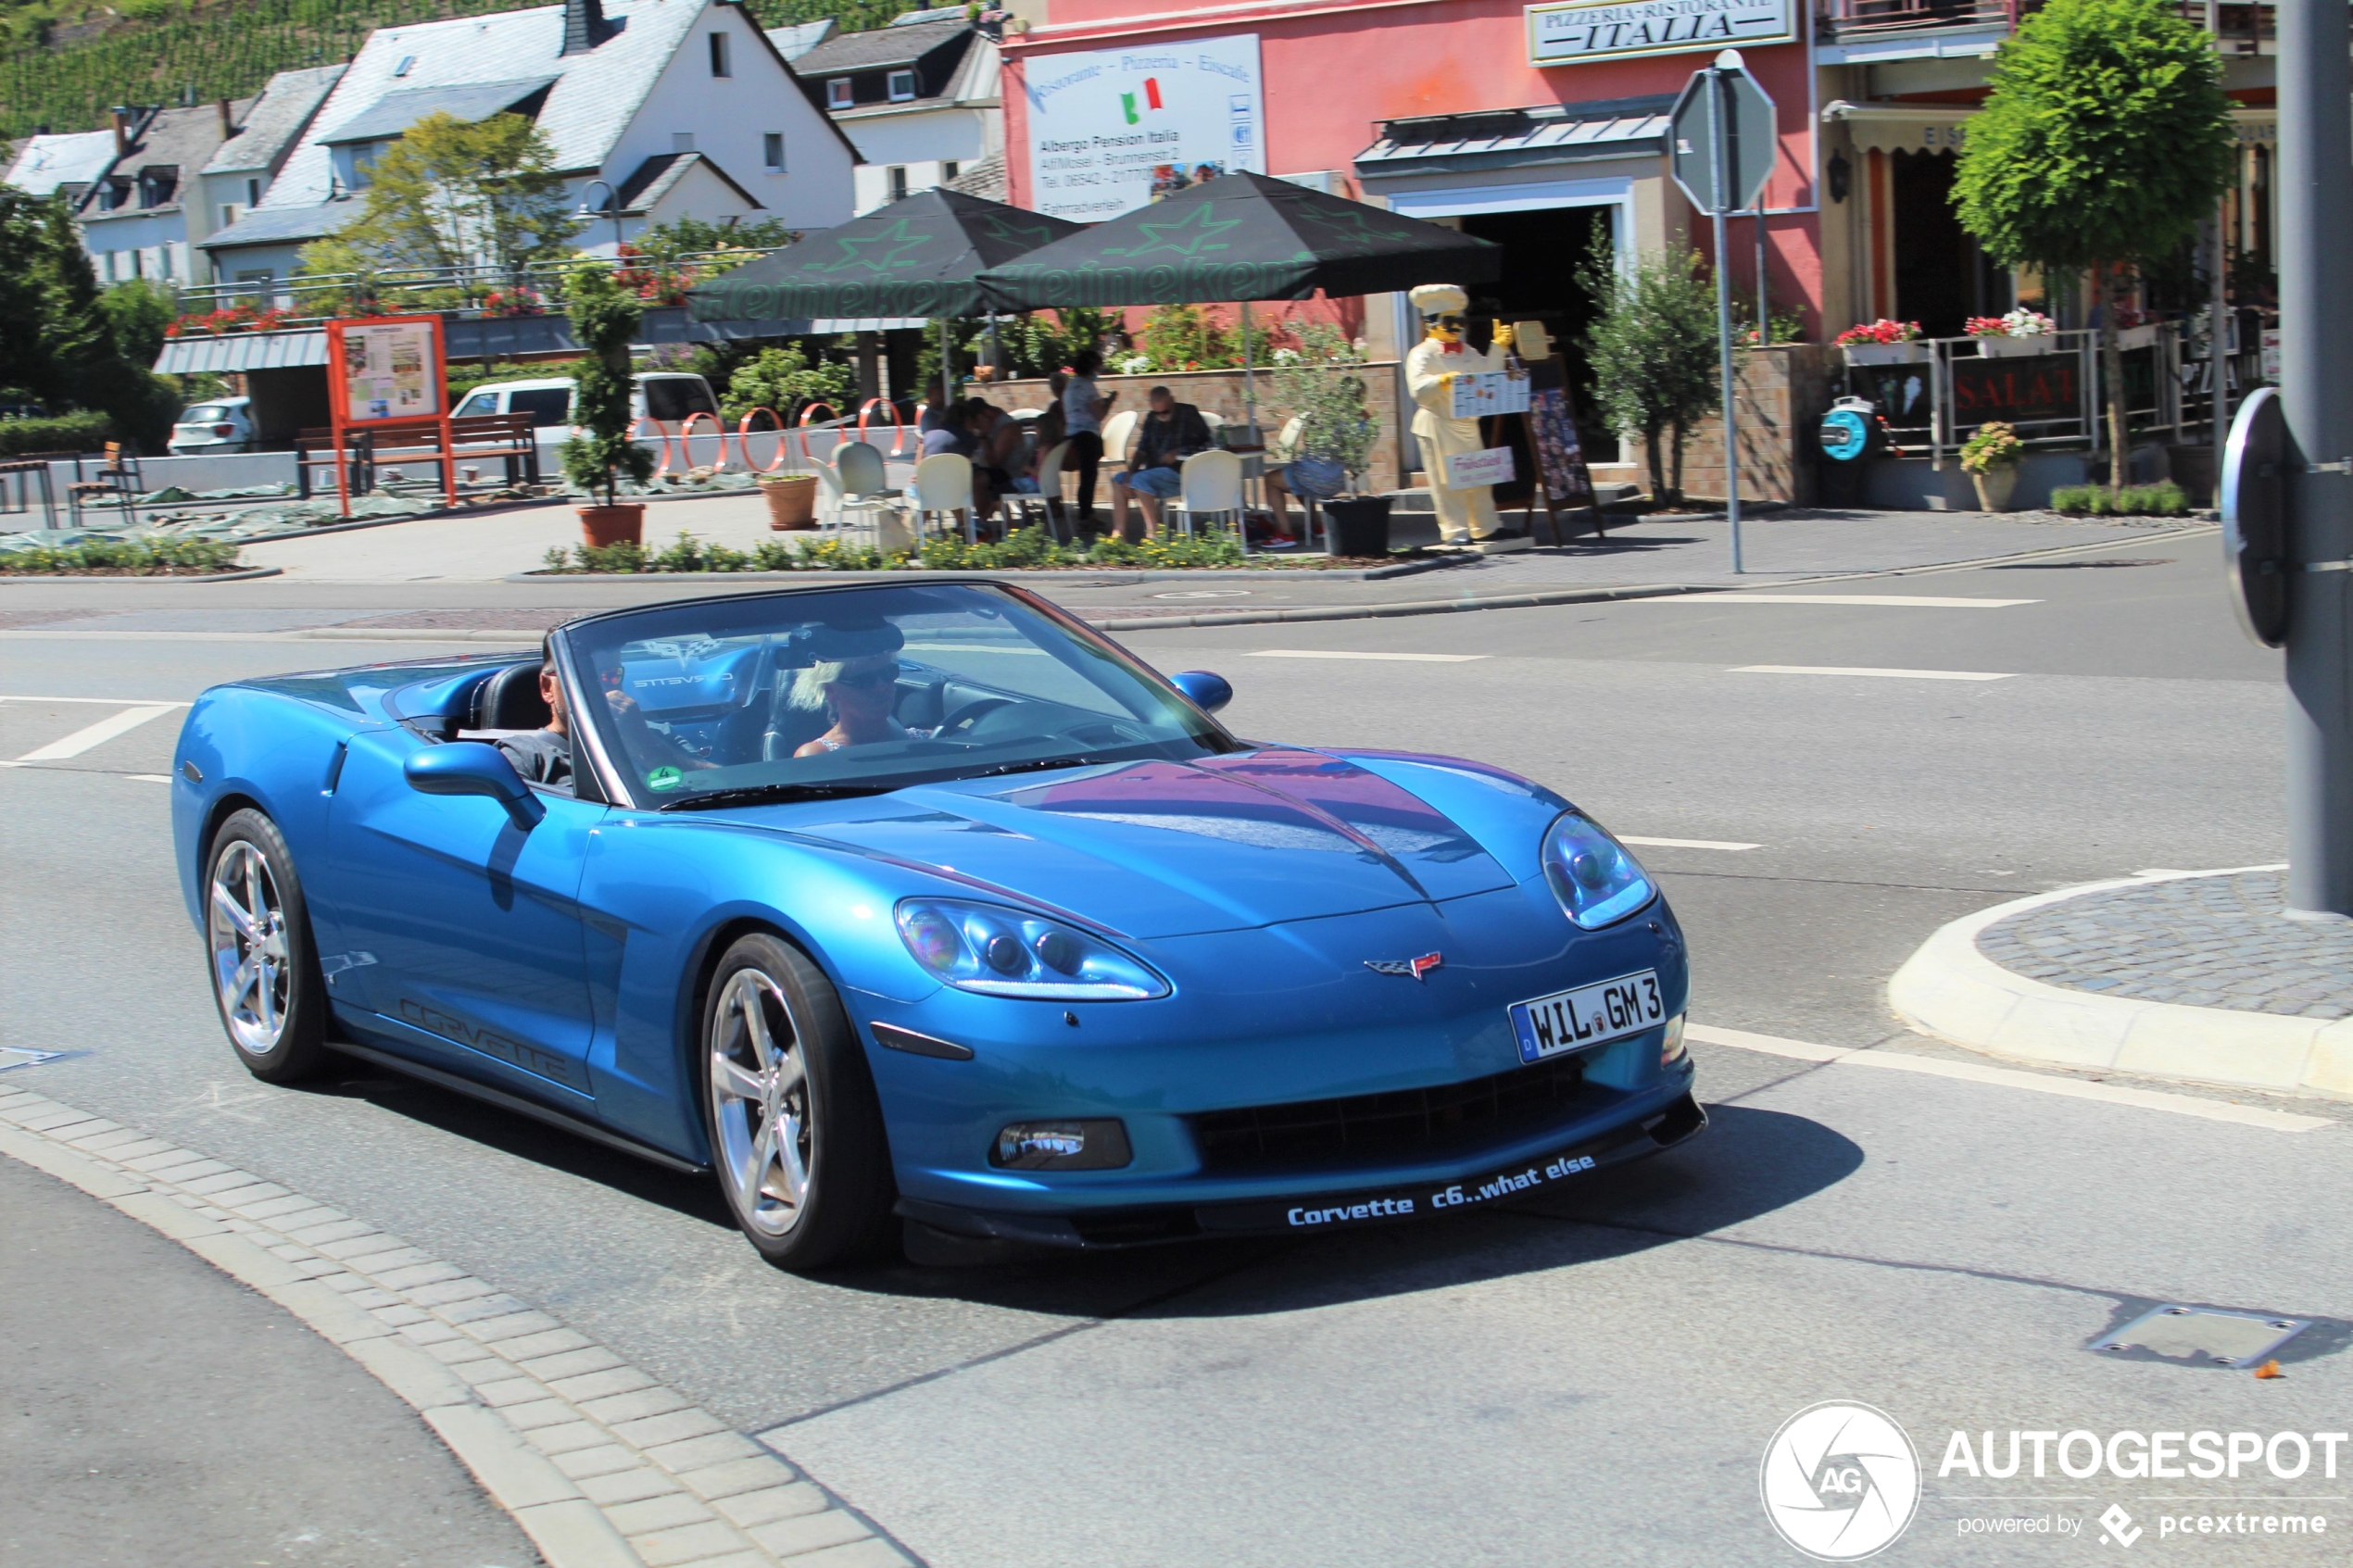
960 724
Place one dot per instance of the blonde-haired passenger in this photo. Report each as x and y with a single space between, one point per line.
854 682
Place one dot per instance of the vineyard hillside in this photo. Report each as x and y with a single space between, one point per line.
64 63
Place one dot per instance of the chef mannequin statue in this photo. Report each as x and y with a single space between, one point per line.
1469 513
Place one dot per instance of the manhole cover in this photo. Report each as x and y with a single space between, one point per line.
2203 1336
1207 593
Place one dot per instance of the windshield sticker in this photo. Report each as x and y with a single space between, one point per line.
664 778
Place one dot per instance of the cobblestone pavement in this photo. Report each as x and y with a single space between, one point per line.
2216 942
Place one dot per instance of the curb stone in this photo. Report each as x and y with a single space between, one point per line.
1951 991
561 1432
239 576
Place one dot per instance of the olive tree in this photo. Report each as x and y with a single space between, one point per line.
1655 353
2103 146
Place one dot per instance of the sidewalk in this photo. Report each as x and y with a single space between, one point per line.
2170 974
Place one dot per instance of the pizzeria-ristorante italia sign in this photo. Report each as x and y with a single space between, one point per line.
1592 29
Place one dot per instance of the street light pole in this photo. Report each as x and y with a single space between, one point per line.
610 210
2316 343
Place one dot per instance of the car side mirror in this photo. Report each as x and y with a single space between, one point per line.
472 768
1209 692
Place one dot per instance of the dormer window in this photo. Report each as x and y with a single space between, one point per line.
155 188
902 86
839 93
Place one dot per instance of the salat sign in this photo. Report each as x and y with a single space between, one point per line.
1592 29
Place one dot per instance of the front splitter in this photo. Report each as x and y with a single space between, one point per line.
1343 1208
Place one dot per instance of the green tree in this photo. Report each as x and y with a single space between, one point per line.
484 197
604 322
137 311
58 343
1653 346
781 379
2104 144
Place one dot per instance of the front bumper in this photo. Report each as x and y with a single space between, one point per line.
1338 1209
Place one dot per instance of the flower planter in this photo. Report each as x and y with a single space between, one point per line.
2136 337
792 500
1995 486
1358 525
603 526
1915 353
2013 347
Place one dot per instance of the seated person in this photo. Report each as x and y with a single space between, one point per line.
1309 478
995 438
544 756
1167 436
854 682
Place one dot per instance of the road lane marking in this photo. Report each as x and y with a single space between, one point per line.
2011 1078
1881 674
97 734
1686 843
1891 601
107 701
1400 658
150 778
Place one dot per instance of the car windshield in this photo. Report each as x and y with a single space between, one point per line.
857 691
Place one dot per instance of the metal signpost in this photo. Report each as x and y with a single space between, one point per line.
1724 144
2287 500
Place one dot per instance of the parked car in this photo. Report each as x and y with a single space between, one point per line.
222 424
667 397
927 903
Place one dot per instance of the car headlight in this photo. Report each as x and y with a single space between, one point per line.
1596 881
1005 952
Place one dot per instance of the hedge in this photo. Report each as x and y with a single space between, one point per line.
64 432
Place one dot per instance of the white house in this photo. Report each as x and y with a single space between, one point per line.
660 108
918 97
241 172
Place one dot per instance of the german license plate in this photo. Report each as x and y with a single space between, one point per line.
1590 1015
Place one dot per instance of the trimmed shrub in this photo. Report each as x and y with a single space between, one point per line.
62 432
126 558
2162 499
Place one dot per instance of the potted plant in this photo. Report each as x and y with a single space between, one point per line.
2020 332
1991 457
1334 443
791 493
604 322
1884 342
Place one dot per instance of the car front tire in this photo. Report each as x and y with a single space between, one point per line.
264 969
797 1134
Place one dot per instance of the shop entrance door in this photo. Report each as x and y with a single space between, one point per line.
1544 249
1941 276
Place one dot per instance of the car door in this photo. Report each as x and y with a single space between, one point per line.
462 931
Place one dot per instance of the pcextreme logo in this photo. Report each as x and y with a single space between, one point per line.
1840 1481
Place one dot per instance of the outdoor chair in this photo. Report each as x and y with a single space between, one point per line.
116 479
1046 506
1119 433
944 487
1213 487
855 481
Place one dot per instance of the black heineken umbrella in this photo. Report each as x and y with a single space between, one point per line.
1241 237
920 257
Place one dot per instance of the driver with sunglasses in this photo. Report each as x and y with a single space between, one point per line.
855 682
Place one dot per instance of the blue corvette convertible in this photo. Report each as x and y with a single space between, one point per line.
924 910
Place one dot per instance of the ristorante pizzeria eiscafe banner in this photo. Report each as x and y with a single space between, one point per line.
1111 130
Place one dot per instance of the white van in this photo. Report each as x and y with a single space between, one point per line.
667 397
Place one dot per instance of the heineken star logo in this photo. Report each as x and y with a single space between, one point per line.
1027 233
1355 228
855 247
1188 235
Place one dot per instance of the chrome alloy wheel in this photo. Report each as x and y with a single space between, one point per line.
759 1103
247 928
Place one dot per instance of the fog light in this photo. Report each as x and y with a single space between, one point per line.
1670 1045
1061 1146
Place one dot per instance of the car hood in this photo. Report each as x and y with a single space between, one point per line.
1171 848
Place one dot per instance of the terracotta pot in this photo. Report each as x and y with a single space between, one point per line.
1995 486
601 526
792 500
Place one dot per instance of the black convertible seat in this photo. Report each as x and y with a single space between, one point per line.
509 699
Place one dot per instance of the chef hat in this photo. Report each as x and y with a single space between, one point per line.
1439 299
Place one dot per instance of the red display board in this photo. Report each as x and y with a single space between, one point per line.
389 375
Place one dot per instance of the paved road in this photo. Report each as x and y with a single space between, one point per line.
1589 1378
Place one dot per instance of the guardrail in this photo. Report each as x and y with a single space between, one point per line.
2244 26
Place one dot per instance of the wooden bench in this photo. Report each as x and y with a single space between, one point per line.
513 438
